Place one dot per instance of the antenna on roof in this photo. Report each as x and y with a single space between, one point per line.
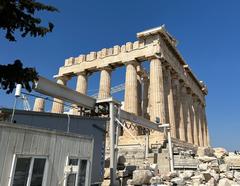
17 94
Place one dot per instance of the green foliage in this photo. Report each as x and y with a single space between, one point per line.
19 15
12 74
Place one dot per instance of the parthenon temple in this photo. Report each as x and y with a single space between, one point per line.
168 93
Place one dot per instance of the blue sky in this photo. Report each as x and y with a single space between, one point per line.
207 31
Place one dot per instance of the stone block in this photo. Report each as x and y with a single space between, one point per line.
203 166
70 61
223 167
116 49
135 45
220 152
91 56
186 174
99 53
103 52
141 177
123 48
178 181
109 51
80 59
129 46
225 182
237 175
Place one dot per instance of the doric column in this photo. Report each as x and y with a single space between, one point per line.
145 97
139 95
39 105
189 113
206 127
170 101
131 92
58 106
157 91
183 114
105 83
176 98
200 129
82 83
130 98
81 87
196 120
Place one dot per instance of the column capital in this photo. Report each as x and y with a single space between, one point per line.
62 78
133 62
83 73
108 68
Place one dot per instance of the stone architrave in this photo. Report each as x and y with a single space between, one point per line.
189 113
131 91
157 109
81 87
105 83
170 101
39 105
58 106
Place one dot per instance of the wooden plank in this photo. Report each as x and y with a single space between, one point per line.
3 147
28 140
51 159
9 157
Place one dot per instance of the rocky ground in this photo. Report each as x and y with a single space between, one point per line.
220 169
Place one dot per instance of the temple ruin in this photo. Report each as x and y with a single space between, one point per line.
169 93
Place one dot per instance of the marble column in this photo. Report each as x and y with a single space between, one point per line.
196 120
131 92
145 97
58 106
189 117
183 114
206 128
81 87
200 128
39 105
157 91
139 95
105 83
170 101
176 99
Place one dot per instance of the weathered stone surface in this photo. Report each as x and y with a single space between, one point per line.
141 177
203 166
179 181
233 160
237 175
206 159
186 174
225 182
223 167
229 175
205 151
220 152
156 180
207 176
